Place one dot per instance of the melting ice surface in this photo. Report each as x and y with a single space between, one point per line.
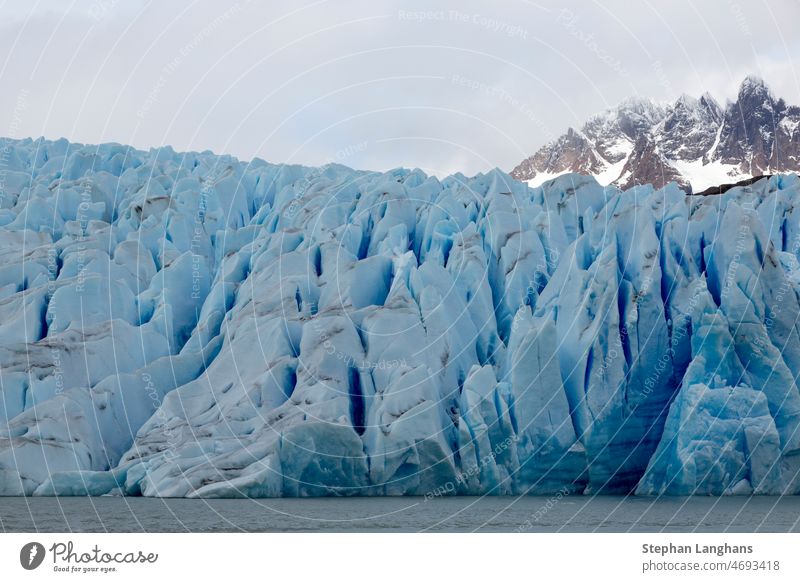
191 325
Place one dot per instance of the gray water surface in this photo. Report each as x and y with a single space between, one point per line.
405 514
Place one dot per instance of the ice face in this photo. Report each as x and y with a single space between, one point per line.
190 325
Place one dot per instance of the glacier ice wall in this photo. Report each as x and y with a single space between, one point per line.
191 325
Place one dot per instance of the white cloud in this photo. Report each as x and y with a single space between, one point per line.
439 85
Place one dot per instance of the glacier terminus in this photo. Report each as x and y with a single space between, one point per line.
189 325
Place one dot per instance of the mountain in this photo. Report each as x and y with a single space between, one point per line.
188 325
694 142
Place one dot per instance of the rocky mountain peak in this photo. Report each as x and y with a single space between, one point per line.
753 84
694 141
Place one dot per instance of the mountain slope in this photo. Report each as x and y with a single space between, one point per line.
694 142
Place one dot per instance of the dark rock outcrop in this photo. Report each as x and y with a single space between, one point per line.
694 142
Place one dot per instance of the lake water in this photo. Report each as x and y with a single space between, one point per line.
409 514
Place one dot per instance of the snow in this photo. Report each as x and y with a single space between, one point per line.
712 152
542 177
610 173
705 175
789 125
687 135
621 147
190 325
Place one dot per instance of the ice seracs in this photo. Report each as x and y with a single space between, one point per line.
190 325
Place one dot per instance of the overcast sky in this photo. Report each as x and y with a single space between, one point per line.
443 86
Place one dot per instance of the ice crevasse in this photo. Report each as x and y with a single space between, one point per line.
189 325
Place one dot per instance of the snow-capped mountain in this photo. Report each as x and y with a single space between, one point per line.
694 142
191 325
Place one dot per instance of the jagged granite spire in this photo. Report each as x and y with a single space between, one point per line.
694 142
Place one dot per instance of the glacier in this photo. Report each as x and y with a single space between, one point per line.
190 325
